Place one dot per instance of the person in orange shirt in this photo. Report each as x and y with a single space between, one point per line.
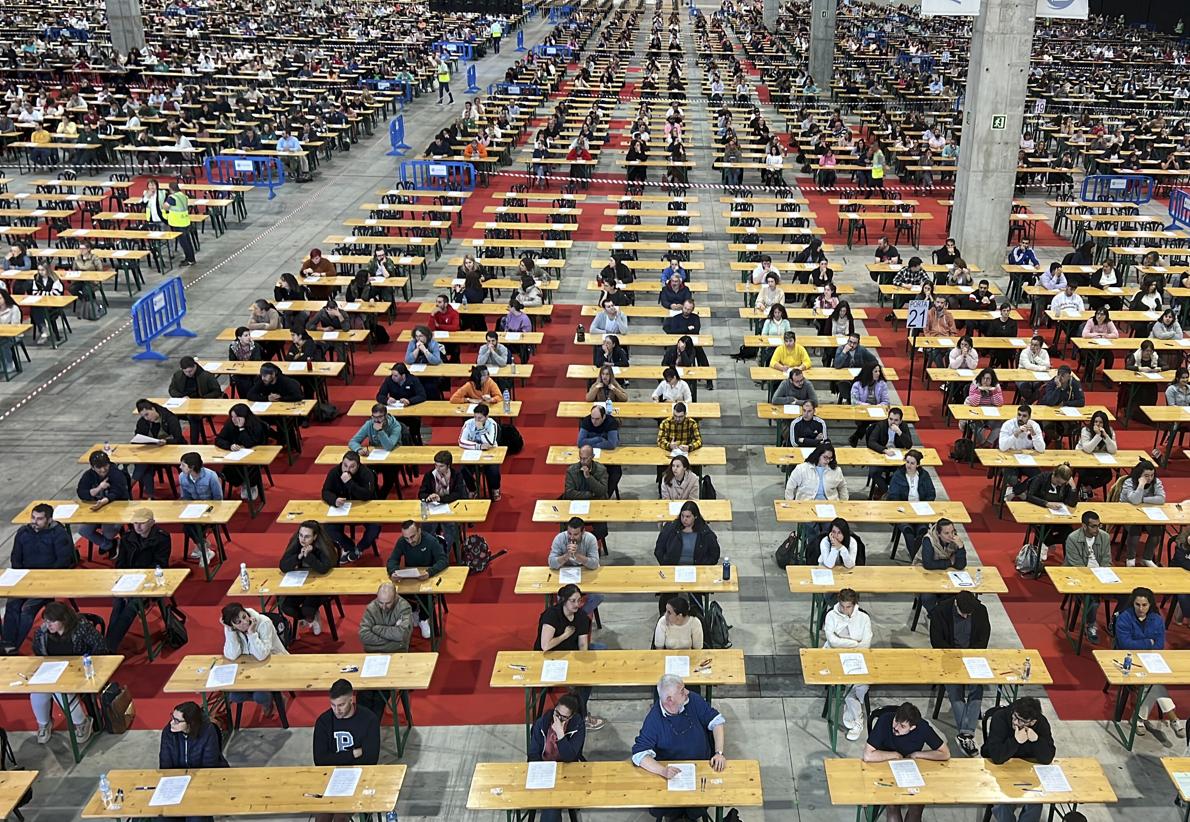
476 149
480 388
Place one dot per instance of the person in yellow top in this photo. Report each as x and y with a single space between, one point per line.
41 138
177 215
791 354
443 74
480 388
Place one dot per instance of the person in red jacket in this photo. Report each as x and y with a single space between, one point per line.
445 317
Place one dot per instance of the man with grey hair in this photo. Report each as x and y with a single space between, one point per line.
680 727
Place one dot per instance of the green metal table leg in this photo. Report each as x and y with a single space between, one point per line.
817 608
834 712
1128 739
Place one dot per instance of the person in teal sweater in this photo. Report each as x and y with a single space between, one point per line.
418 549
382 432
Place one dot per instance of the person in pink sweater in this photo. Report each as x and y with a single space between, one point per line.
985 390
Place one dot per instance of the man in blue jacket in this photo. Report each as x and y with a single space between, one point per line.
680 727
43 543
99 485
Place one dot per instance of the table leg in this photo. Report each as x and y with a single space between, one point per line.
817 608
142 612
834 712
1129 738
435 627
1173 434
402 698
530 699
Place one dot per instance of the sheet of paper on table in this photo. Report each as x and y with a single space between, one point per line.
343 782
684 781
170 790
554 670
677 666
541 776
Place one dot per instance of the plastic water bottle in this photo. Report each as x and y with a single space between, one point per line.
512 367
245 580
107 446
609 407
1127 664
88 667
1028 669
507 402
391 816
726 569
978 577
105 790
159 576
581 333
425 510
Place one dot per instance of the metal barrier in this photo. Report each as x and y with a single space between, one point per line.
444 176
472 85
520 41
515 90
1179 209
553 51
159 313
1118 188
388 85
465 51
558 13
396 137
237 169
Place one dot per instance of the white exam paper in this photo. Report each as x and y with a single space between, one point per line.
1156 514
825 511
685 573
853 664
12 576
48 673
541 776
1025 459
677 666
236 456
1105 575
170 791
260 407
375 665
1106 459
906 773
570 576
1070 412
684 781
554 670
977 667
1182 780
343 782
962 579
472 455
990 410
222 676
822 576
127 583
580 507
65 511
194 510
174 402
675 508
438 509
1052 779
339 511
1154 663
300 365
381 454
922 509
293 579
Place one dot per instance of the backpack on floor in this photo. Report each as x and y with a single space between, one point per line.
1028 560
117 710
477 555
786 553
380 335
281 626
706 488
715 630
324 412
963 450
176 634
510 438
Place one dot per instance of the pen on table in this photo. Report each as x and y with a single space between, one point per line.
518 667
555 508
210 508
439 582
882 784
704 783
146 787
313 795
661 574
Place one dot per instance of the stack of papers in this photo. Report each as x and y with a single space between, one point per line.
541 776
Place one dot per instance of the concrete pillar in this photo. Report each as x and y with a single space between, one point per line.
127 26
771 10
992 115
822 43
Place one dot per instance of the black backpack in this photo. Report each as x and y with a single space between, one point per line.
324 412
510 438
963 450
176 634
380 335
786 553
715 630
706 488
477 555
282 627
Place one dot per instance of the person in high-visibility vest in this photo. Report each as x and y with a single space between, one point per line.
177 214
497 33
444 80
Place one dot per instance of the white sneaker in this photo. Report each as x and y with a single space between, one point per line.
244 494
211 557
853 733
424 627
43 733
316 626
1009 494
83 730
199 547
1130 563
254 493
1150 563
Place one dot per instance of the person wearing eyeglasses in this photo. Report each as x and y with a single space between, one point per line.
1018 731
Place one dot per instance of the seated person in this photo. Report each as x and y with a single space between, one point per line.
901 733
421 550
248 633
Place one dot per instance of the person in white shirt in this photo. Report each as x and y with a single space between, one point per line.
762 269
1067 301
672 388
1033 358
249 633
847 626
838 546
1020 434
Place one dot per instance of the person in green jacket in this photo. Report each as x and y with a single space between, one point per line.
417 549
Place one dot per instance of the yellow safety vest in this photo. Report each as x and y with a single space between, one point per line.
178 214
443 73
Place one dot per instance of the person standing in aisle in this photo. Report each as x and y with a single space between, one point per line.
444 80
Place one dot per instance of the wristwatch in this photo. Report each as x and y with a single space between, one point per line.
718 753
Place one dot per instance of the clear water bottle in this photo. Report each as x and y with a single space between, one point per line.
105 790
978 577
1127 664
512 367
425 510
245 580
507 402
1028 669
107 446
609 406
88 667
159 577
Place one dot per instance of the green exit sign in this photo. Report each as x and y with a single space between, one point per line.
999 122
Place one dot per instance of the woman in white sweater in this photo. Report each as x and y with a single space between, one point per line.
838 547
678 630
247 632
819 477
847 626
672 388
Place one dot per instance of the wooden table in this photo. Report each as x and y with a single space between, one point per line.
286 413
15 672
265 583
871 787
561 510
917 666
640 410
1139 681
98 583
870 579
657 340
265 791
435 408
610 669
1082 586
636 455
1113 513
850 456
417 455
1172 415
382 512
611 785
1177 768
311 672
13 787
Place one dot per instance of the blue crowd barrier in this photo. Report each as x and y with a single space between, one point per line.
515 89
441 175
405 86
457 49
472 80
1118 188
520 41
159 313
553 51
396 136
237 169
1179 209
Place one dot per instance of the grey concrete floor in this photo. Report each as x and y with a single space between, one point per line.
81 393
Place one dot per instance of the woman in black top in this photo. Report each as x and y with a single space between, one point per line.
287 289
62 633
611 353
309 549
243 429
565 626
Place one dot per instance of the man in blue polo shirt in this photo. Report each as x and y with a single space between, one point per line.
676 729
902 734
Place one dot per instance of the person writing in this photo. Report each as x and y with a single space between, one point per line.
901 733
310 549
417 549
